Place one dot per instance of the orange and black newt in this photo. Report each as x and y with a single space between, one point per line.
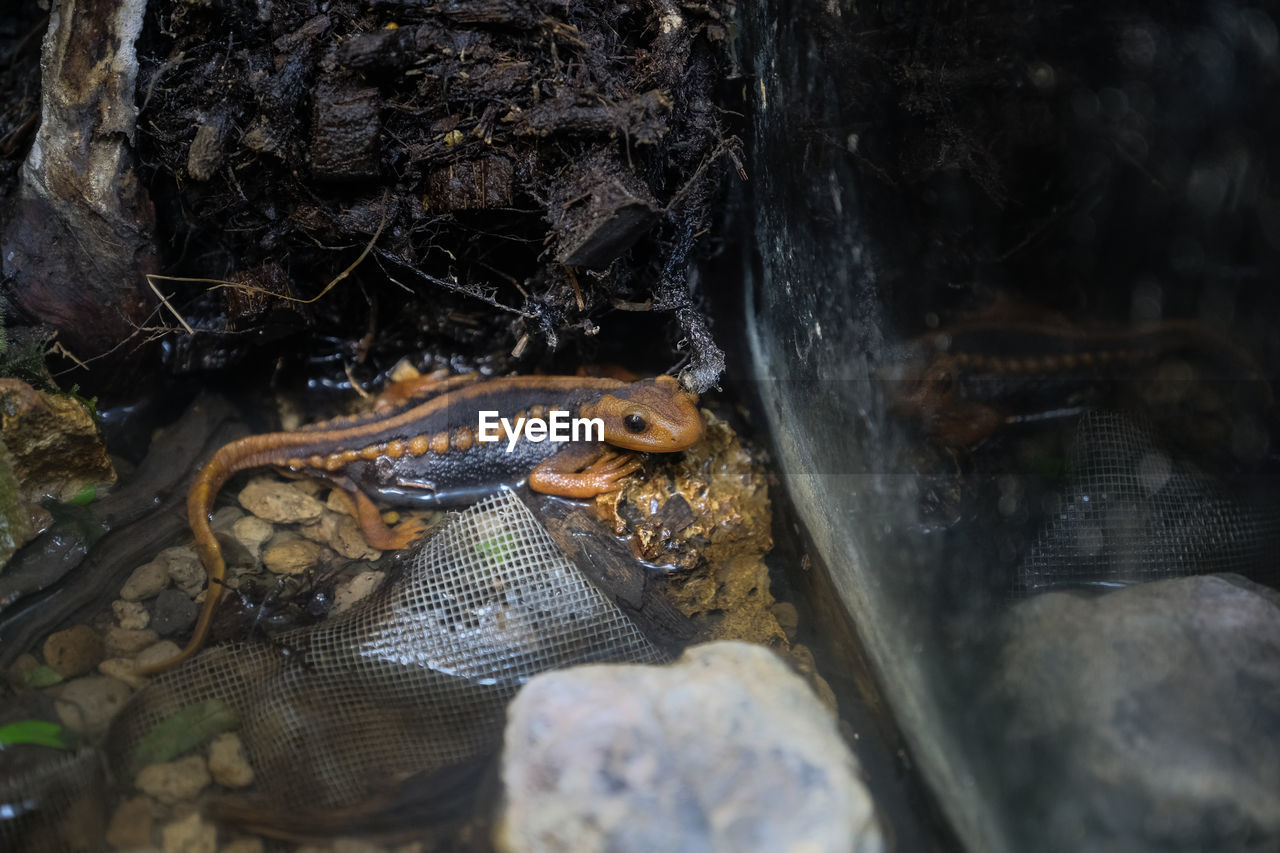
975 376
420 445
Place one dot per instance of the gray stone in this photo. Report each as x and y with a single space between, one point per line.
174 613
727 749
87 704
1147 719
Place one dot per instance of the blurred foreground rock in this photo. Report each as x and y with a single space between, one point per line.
727 749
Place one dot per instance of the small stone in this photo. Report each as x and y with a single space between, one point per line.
340 502
290 554
243 845
146 581
309 487
125 642
320 530
131 615
788 618
123 669
279 502
184 568
87 704
225 518
73 652
355 589
175 781
131 824
348 541
16 675
228 763
159 653
192 834
251 532
175 612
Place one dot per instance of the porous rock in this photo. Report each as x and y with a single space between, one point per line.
174 781
131 615
184 569
73 652
228 763
727 749
1152 710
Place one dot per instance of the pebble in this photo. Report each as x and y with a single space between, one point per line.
16 675
159 653
349 541
228 763
788 618
87 704
340 502
192 834
185 569
146 581
279 502
290 554
125 642
251 532
131 615
225 517
727 749
123 669
175 612
73 652
320 530
174 781
355 589
131 823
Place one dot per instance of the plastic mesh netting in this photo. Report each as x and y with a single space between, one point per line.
1132 512
414 678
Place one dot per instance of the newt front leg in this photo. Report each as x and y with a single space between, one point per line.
582 472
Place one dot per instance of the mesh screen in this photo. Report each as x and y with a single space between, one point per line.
1132 512
414 678
53 806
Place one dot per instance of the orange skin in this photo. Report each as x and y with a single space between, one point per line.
427 425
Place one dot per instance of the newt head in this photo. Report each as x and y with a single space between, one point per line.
653 415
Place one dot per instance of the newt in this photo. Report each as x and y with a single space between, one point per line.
420 445
974 377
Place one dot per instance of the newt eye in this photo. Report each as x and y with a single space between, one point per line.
635 423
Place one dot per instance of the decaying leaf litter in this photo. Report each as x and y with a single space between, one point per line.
530 170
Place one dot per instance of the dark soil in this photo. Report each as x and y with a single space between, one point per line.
522 173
